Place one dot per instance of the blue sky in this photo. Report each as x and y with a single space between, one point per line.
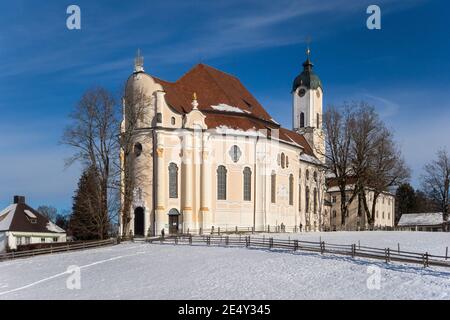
403 69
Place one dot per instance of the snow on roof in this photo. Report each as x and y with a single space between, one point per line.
6 216
227 108
308 158
227 130
421 219
30 214
53 227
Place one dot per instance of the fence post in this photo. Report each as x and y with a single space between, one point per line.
253 230
218 231
227 240
387 254
176 239
322 247
425 260
398 247
446 253
271 243
208 240
295 245
212 230
353 250
190 239
200 232
268 228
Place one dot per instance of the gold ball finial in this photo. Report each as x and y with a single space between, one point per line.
194 96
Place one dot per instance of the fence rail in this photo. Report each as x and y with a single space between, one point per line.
56 249
353 250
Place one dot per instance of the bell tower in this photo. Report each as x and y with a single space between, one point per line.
307 107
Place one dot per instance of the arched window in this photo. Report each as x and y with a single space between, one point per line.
291 190
221 183
247 184
307 199
173 180
287 162
307 174
172 121
273 187
302 119
137 149
283 160
299 197
315 176
315 201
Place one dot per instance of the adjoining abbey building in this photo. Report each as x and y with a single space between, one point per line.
208 154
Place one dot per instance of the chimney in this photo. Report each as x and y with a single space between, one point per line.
19 199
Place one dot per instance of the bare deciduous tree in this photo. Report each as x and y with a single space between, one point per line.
436 181
337 125
93 133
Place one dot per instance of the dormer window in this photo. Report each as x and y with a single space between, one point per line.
31 216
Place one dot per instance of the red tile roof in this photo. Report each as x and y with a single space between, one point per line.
214 87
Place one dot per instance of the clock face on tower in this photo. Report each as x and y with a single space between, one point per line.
301 92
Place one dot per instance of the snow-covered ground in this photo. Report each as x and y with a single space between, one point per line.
155 271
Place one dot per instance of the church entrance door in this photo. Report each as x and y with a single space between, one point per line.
174 221
139 222
173 224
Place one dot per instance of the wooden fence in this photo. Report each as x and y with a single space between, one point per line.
56 249
322 247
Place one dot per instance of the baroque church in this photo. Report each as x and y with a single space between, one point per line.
208 155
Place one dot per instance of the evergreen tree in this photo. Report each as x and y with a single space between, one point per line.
88 221
405 199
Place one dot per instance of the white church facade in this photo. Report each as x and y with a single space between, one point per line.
208 155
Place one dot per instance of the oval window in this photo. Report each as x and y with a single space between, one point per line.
235 153
137 149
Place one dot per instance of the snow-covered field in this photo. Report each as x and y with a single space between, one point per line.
154 271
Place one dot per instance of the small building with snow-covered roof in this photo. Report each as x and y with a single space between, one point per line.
431 221
22 225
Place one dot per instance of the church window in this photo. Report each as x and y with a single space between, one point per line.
307 174
307 199
221 183
302 120
247 184
172 121
287 162
283 160
299 198
315 201
159 117
291 190
382 215
137 149
315 176
273 187
173 180
235 153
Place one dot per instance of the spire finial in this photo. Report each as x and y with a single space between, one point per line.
308 45
194 101
139 62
